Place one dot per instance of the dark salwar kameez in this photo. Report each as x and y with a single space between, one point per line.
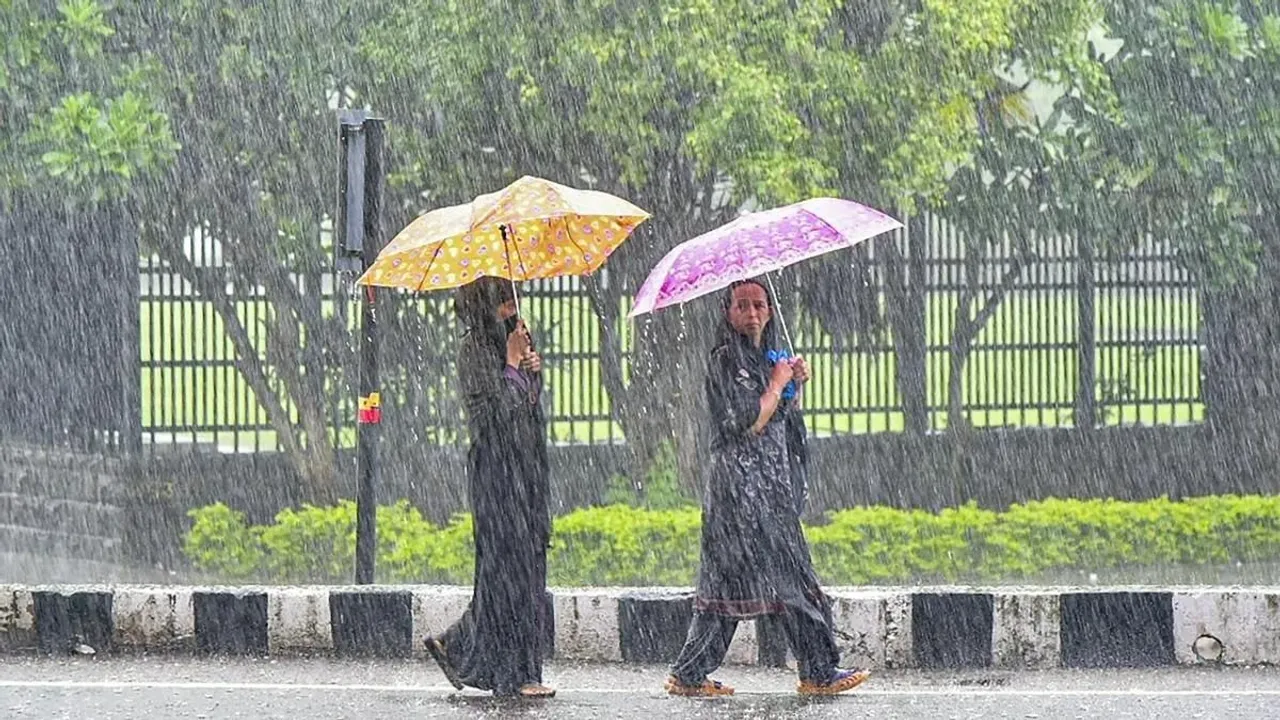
755 560
497 645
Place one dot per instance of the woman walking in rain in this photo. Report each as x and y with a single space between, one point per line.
755 560
497 645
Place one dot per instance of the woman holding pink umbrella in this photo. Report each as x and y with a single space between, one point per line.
755 560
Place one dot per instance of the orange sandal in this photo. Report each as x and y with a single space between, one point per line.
843 681
708 688
537 690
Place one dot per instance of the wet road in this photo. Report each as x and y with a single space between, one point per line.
320 689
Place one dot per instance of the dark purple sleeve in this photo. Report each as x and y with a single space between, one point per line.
526 382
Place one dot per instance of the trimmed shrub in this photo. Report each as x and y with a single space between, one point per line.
630 546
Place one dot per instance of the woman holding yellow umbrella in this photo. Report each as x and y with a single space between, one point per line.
531 229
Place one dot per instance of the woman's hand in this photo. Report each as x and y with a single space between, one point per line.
800 370
518 345
772 398
783 373
532 362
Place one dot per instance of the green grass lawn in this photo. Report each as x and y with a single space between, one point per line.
1021 373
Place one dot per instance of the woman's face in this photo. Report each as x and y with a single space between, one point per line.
749 311
507 309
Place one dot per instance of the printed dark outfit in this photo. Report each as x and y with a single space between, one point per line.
755 560
497 645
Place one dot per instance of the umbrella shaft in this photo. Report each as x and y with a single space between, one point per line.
786 334
515 292
511 271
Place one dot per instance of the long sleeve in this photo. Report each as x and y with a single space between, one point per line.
510 484
530 383
489 396
733 394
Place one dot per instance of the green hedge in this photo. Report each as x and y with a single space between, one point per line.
622 545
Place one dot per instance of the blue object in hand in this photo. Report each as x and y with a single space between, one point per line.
774 356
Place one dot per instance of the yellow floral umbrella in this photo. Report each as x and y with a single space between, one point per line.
531 229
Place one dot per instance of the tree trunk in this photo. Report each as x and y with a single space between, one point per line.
958 356
660 399
905 284
316 460
297 338
1241 365
318 470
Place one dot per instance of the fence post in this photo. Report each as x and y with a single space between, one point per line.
1086 410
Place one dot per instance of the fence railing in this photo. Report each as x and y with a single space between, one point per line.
1056 334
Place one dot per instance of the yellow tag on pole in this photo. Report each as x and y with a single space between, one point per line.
370 412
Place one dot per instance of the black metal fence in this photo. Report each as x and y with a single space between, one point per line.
1055 334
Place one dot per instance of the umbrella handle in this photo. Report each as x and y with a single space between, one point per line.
786 334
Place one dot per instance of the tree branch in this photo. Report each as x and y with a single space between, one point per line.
247 360
966 330
993 300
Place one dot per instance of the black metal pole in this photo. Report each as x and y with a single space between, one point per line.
369 427
1086 411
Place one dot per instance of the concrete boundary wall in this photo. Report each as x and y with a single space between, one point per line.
1036 628
60 504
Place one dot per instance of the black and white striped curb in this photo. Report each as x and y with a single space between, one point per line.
882 628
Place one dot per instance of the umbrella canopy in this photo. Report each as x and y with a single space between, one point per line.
531 229
757 244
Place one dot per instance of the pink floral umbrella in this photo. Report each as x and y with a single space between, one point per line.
755 245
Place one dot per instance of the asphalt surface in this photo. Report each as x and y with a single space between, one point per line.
319 689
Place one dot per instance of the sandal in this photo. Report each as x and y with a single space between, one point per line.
537 690
708 688
842 681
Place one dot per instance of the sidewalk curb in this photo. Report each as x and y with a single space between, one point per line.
1011 628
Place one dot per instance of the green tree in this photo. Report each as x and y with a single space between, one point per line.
78 106
81 128
211 120
217 118
1011 198
251 89
694 109
1193 159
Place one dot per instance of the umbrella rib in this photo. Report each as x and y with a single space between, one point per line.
569 234
515 243
426 272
